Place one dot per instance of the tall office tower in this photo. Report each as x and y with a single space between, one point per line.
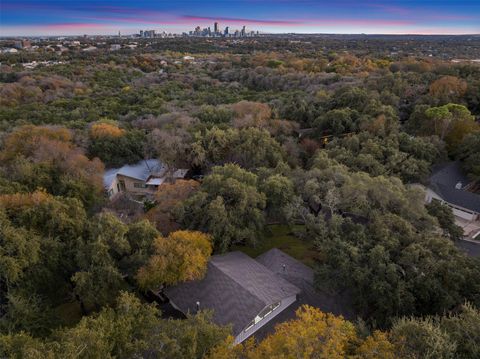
226 31
215 28
243 31
141 33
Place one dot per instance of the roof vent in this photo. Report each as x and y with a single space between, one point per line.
198 306
458 185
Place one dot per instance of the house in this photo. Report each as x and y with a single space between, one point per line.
302 277
253 295
140 179
241 292
448 184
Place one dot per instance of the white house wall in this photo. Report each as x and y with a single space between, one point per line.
283 305
112 190
464 215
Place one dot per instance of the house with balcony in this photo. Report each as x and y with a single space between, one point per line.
140 179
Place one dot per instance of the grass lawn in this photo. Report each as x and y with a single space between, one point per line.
281 237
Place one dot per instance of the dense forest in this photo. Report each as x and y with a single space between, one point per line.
329 140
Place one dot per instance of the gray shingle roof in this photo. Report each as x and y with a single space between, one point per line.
236 287
275 260
470 248
449 174
443 181
141 171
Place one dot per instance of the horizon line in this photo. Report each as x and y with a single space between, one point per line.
260 33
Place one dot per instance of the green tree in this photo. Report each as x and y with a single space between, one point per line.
417 338
446 219
215 114
249 147
452 335
279 192
337 121
451 123
116 151
132 329
469 153
228 206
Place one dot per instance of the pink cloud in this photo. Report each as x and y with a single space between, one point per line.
131 20
72 26
419 13
192 18
360 22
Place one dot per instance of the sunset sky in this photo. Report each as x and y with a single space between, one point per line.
20 18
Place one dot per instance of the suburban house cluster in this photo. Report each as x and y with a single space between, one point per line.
140 179
449 185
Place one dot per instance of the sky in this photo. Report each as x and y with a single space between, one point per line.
92 17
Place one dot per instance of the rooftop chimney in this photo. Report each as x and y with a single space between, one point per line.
198 306
458 185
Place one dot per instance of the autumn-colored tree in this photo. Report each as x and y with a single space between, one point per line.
313 334
27 140
45 157
448 88
251 114
104 129
181 256
168 196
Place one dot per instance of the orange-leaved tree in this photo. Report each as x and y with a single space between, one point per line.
313 334
181 256
168 196
104 129
46 157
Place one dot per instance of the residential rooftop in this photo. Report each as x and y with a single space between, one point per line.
449 181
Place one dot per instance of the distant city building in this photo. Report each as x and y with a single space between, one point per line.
147 33
217 32
22 44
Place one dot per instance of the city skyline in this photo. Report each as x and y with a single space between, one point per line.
53 17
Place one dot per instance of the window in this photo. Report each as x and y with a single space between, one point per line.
266 311
139 185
